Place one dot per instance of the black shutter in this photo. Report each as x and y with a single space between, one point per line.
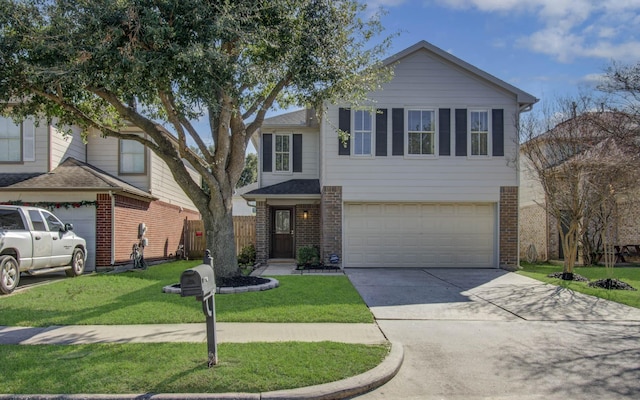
267 152
497 118
344 124
444 118
461 132
297 152
397 131
381 132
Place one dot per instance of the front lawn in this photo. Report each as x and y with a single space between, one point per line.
180 367
136 297
630 275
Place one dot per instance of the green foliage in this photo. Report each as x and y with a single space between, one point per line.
249 174
142 367
308 255
247 255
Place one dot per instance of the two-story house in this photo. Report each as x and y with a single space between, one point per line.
105 187
427 177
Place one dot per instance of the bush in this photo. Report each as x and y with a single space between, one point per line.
247 256
308 255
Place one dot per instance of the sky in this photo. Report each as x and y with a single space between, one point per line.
548 48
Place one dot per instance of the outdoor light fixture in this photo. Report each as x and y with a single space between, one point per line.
305 214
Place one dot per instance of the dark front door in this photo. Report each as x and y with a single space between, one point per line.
282 234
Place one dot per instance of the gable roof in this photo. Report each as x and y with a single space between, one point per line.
73 175
523 98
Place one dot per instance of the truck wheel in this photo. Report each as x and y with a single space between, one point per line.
9 274
77 263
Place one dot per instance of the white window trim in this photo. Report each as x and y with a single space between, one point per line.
372 148
273 167
436 136
21 140
489 134
125 173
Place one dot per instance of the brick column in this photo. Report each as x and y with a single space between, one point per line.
331 214
509 226
103 230
262 232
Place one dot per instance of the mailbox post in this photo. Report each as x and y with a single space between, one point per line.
200 282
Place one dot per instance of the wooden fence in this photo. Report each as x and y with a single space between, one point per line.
195 243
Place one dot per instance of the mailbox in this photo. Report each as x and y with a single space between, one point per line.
198 281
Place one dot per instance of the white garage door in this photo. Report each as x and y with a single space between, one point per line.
419 235
84 225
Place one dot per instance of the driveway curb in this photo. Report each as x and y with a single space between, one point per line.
342 389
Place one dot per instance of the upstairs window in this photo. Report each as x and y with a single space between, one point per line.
10 141
421 132
362 129
133 157
479 130
282 153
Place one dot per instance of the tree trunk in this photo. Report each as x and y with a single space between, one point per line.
218 225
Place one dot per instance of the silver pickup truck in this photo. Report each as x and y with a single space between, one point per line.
34 241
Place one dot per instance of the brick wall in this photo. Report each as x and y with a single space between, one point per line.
103 230
533 231
509 225
262 232
307 230
331 221
164 224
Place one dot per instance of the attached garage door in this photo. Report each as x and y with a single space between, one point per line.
84 225
419 235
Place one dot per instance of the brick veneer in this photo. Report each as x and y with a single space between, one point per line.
307 230
532 227
262 232
331 217
509 225
164 223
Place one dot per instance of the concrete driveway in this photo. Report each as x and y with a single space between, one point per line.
491 334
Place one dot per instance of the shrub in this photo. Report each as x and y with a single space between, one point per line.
308 255
247 255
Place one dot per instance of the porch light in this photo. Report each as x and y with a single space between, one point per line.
305 214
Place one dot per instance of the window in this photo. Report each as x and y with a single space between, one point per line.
37 221
132 157
362 133
421 132
53 223
10 140
283 153
479 127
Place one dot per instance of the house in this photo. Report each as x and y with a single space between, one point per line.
574 149
427 177
242 207
106 188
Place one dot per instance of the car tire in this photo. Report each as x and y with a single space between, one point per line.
9 274
77 264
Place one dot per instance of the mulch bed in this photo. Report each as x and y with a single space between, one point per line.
576 277
239 281
611 284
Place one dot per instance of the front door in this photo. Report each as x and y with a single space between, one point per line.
282 233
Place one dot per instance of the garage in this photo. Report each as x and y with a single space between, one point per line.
84 225
420 235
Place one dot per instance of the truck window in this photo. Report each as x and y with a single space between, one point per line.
36 220
11 220
53 222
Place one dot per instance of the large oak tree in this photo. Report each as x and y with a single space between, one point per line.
160 64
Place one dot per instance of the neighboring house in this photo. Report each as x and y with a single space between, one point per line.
106 188
427 180
538 230
242 207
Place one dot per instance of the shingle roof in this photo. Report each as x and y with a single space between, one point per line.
73 175
11 179
292 187
300 118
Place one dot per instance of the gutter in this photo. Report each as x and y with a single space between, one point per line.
113 227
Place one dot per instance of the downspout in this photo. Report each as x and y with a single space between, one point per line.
113 227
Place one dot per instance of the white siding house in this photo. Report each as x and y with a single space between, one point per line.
427 178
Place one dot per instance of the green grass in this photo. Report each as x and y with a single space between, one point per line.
136 297
179 367
630 275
